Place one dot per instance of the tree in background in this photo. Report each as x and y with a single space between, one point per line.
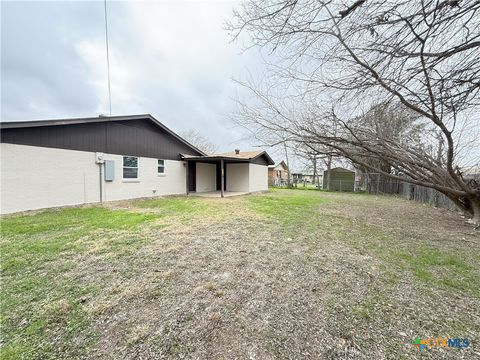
391 122
314 157
199 141
335 63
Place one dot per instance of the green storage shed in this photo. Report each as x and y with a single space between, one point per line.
341 179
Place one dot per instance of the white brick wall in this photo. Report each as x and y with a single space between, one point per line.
34 177
237 177
258 177
206 179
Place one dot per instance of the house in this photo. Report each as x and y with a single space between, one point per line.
341 179
278 174
307 177
49 163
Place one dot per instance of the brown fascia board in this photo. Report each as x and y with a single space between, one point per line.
207 158
229 158
69 121
55 122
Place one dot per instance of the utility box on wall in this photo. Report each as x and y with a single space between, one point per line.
109 170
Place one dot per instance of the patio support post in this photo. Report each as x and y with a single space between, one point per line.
222 172
187 176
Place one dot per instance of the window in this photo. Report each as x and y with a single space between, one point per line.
161 167
130 167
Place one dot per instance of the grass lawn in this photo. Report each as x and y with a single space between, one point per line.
287 274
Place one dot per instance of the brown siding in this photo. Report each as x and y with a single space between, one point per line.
271 176
133 137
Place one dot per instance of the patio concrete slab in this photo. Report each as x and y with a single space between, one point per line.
214 194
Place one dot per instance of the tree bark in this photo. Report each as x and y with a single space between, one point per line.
329 166
288 164
476 212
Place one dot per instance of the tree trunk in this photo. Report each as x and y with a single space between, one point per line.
288 165
470 205
314 169
476 211
329 166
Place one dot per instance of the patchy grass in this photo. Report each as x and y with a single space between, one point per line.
37 299
286 274
440 268
32 240
173 205
289 208
76 220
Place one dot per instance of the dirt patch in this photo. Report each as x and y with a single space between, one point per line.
224 288
346 277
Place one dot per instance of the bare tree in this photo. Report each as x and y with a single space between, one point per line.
287 159
337 62
199 141
314 156
310 159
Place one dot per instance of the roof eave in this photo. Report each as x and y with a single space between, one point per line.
59 122
269 159
209 157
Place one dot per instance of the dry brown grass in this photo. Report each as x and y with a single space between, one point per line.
292 275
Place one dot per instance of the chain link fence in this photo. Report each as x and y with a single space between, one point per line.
379 185
341 185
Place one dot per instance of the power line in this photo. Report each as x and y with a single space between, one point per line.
108 58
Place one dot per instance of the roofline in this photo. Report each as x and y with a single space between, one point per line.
214 157
55 122
223 157
341 168
284 165
305 174
269 159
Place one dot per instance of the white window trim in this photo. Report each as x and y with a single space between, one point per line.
164 168
131 180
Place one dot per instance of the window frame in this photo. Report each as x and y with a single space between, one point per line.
130 179
164 173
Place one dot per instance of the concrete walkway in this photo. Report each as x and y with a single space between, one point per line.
214 194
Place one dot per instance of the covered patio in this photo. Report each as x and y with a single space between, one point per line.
217 194
227 174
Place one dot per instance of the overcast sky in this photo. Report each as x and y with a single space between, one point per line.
170 59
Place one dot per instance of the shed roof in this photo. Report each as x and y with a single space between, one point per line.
341 169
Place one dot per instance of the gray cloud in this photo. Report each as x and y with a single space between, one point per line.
172 60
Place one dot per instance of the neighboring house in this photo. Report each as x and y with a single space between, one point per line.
341 179
278 174
51 163
296 177
306 177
